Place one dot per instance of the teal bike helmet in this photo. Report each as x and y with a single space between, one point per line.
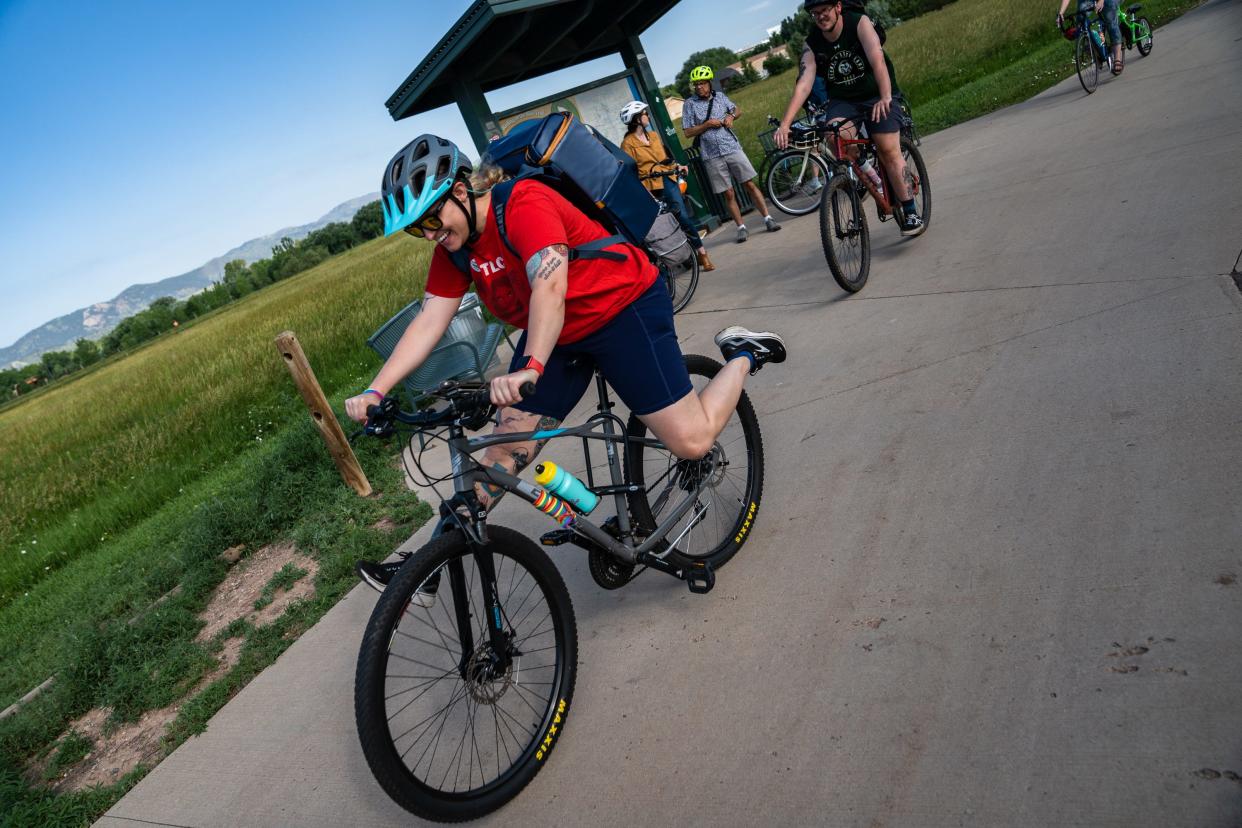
417 177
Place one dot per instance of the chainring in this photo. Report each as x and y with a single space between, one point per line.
607 571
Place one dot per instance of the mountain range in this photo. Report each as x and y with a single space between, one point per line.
94 321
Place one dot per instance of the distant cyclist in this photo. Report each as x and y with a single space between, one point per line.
1107 9
845 51
577 313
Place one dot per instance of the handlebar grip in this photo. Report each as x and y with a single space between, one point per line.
527 390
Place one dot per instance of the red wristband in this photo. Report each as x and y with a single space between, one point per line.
533 365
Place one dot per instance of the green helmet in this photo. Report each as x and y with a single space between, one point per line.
701 73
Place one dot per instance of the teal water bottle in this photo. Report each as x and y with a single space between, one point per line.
565 486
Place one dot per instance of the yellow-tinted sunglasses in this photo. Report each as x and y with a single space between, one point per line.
429 223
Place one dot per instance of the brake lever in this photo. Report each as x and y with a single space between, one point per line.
380 418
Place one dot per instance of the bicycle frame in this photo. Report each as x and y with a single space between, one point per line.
1130 28
842 156
1092 27
463 511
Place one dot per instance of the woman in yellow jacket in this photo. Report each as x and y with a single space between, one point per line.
658 170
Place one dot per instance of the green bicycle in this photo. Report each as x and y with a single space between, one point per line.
1135 31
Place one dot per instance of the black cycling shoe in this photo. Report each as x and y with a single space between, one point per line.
764 346
911 224
379 575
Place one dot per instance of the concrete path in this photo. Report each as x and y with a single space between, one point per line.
993 580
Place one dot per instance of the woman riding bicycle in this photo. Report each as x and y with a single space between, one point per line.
577 313
658 171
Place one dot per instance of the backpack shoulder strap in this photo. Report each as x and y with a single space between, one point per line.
596 249
500 200
461 260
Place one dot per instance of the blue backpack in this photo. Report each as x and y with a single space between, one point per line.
592 173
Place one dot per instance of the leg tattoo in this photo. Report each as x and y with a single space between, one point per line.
512 458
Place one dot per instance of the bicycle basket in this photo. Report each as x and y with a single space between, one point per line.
768 143
803 141
666 240
797 140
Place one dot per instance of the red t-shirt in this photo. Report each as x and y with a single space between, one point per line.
537 216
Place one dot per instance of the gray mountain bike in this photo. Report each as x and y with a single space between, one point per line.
467 667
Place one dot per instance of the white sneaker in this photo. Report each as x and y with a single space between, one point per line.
763 346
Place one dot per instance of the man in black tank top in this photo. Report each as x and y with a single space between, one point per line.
845 52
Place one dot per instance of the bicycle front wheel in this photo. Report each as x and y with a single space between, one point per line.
1142 36
1085 62
843 233
452 728
681 276
794 181
724 512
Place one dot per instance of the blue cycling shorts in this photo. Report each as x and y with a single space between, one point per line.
637 352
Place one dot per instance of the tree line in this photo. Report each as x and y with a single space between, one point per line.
166 314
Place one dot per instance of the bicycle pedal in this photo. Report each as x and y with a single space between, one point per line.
557 537
700 578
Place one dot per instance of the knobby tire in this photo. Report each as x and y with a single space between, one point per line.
524 574
844 235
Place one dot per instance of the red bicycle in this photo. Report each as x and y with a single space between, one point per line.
842 223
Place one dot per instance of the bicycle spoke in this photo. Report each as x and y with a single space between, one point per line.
444 647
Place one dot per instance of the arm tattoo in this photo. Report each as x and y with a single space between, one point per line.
805 63
544 263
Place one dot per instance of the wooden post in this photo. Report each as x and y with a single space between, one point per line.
291 350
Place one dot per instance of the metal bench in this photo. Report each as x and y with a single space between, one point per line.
467 350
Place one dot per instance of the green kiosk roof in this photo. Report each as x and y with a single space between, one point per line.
500 42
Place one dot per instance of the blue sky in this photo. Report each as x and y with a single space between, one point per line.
143 138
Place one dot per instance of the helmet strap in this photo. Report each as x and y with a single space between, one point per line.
471 214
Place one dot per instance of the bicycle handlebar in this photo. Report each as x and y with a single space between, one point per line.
467 402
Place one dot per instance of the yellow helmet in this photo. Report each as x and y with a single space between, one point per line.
701 73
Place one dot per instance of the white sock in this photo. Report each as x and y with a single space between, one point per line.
742 226
767 218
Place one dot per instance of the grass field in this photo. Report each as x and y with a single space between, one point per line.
125 484
92 456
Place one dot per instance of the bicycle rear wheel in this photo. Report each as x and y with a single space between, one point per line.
843 233
794 181
681 276
723 515
1085 62
452 729
1142 36
916 179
